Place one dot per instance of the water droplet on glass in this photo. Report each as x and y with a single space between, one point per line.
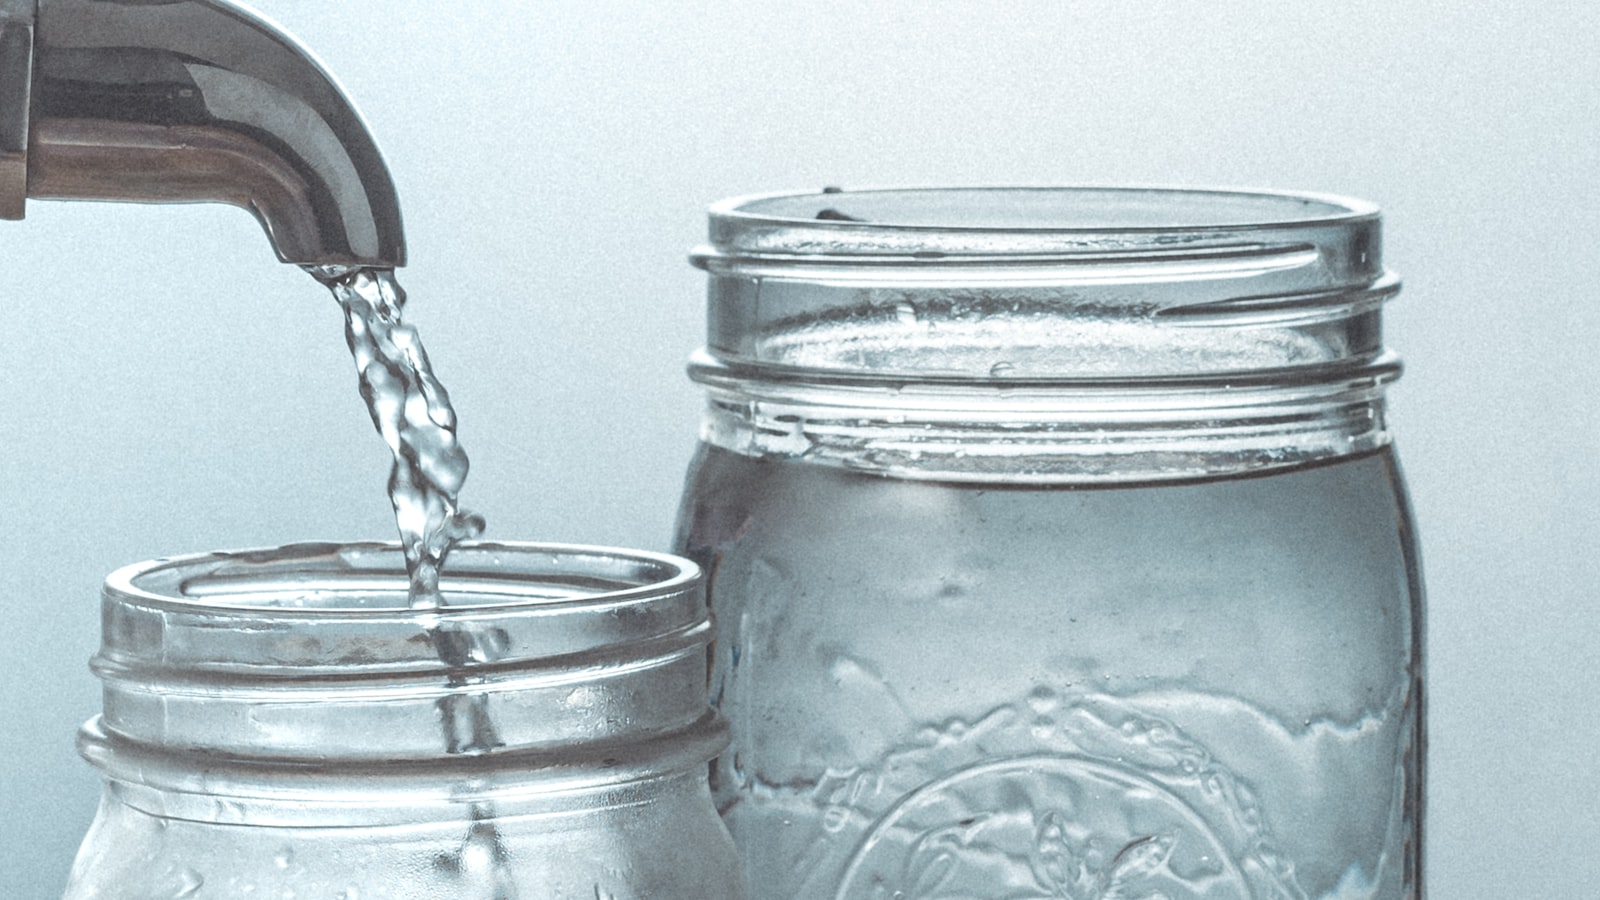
284 857
189 884
905 312
1042 699
1002 369
475 858
835 818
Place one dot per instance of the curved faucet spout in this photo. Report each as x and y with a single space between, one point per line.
179 101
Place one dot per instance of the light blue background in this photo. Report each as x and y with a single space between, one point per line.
169 387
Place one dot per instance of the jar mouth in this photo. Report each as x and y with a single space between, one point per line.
1081 209
1073 223
307 609
312 651
1076 333
368 579
1000 285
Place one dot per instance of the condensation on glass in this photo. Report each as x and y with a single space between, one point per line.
1057 547
281 724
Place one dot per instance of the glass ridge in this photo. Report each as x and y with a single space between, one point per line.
1194 330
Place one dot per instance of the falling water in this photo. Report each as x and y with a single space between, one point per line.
410 408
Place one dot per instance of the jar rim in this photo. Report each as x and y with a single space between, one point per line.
1066 210
314 651
540 575
839 319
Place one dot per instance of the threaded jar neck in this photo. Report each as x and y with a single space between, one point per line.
1056 334
301 672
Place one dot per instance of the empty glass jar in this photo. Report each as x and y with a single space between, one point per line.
280 724
1056 546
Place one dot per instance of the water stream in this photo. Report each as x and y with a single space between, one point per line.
412 411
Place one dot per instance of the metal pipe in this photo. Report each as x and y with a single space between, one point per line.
183 101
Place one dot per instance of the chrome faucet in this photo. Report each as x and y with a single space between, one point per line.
183 101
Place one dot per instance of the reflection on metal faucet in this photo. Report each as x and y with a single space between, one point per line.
182 101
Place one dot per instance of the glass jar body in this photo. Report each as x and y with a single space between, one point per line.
283 723
1209 689
1057 547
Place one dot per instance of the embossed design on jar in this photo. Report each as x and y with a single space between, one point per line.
1055 797
1042 827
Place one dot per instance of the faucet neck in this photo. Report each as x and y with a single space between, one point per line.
190 101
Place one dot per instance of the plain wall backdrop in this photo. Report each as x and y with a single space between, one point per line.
169 387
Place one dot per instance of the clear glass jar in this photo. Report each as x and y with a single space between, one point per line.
280 724
1056 546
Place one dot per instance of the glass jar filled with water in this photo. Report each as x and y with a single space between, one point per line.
1057 547
288 724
